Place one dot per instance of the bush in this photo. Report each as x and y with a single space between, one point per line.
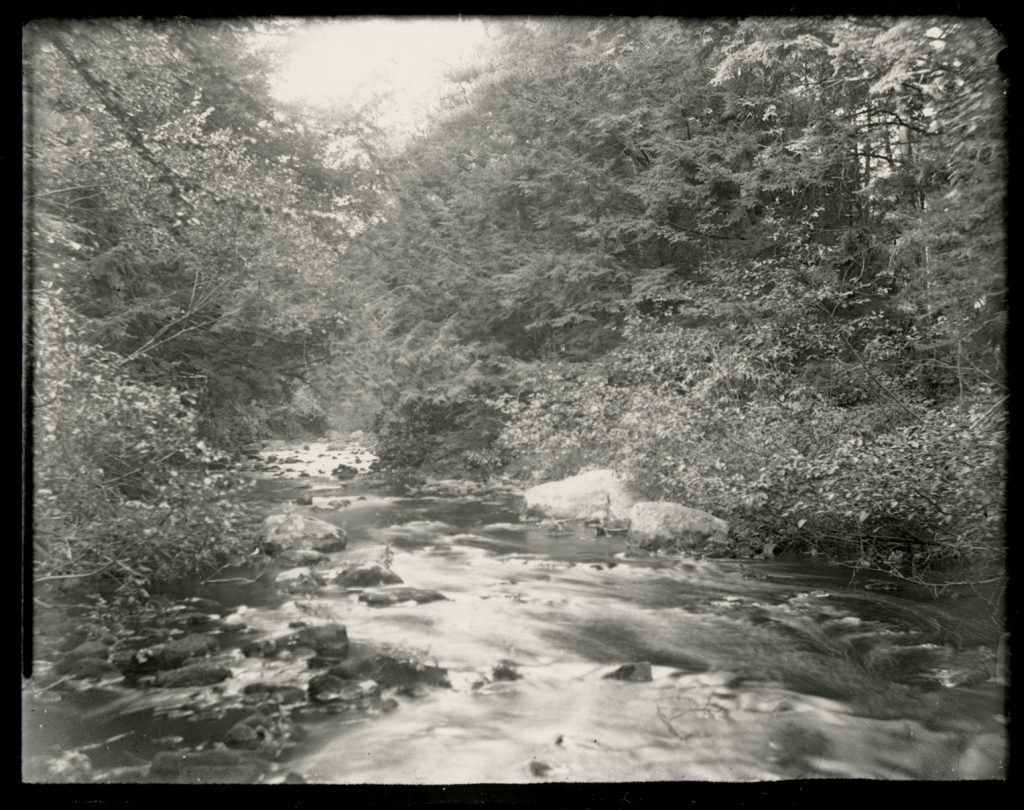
124 487
693 416
451 438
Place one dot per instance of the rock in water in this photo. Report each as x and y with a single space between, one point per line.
327 640
385 597
390 672
367 575
299 581
175 653
638 672
192 675
301 557
660 524
290 531
506 671
594 495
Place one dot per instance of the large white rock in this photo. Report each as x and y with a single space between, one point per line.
292 530
599 494
661 524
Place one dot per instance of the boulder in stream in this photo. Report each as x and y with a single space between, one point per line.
88 649
330 687
299 581
388 671
593 495
291 530
192 675
367 575
86 668
302 557
344 472
664 525
327 640
273 692
175 653
638 673
388 596
506 671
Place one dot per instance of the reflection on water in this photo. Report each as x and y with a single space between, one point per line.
794 676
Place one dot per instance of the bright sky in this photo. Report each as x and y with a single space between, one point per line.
345 58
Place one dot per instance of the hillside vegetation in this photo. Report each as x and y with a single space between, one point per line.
758 267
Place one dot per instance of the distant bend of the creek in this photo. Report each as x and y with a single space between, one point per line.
741 670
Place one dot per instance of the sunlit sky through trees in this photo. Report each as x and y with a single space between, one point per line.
356 59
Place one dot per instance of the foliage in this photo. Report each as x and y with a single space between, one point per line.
697 417
124 486
757 265
192 219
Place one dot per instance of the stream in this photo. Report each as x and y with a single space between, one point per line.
759 670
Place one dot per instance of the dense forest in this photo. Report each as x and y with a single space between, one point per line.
755 266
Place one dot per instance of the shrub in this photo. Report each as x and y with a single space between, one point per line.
692 415
124 487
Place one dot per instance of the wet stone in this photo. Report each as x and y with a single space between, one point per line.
192 618
367 575
203 604
304 500
274 692
506 671
89 649
389 672
86 668
262 730
299 581
133 663
538 768
638 672
175 653
192 675
394 596
329 687
302 557
330 640
264 648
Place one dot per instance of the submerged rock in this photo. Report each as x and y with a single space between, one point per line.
638 672
274 692
177 652
299 581
173 654
385 597
302 557
284 531
388 672
367 575
595 495
660 524
89 649
330 687
86 668
506 671
192 675
329 640
260 731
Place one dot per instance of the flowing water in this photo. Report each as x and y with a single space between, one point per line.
759 670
